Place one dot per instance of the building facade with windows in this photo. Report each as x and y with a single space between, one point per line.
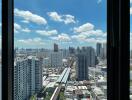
82 65
98 49
27 77
56 59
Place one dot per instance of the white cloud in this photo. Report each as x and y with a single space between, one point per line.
130 1
104 35
67 19
34 41
84 38
84 28
47 33
131 11
95 40
96 33
62 37
99 1
29 16
130 35
25 21
86 32
54 16
79 37
130 41
17 27
26 30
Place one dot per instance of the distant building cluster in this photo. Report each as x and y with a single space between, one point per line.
33 67
86 57
101 50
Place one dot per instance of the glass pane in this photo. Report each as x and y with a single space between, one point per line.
60 50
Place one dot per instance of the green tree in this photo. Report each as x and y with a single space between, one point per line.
61 96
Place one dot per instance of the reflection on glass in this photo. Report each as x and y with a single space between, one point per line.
60 50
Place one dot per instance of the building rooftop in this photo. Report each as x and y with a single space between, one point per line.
98 91
32 57
78 92
51 84
82 87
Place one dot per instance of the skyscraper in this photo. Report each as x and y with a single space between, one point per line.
82 65
91 56
105 50
65 53
85 58
130 54
98 49
20 79
71 50
56 59
34 75
56 47
27 77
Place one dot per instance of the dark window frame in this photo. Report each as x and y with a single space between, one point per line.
118 41
118 49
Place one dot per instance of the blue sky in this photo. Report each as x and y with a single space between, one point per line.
40 23
85 12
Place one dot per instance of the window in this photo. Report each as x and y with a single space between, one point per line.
117 57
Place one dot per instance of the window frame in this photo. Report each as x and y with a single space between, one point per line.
7 49
118 49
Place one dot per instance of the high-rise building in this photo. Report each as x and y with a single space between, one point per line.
82 65
20 79
46 62
105 50
86 57
27 77
65 53
56 59
38 74
91 56
98 49
131 54
15 53
71 50
56 49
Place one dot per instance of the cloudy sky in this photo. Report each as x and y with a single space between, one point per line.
40 23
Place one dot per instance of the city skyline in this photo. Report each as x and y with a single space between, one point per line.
60 69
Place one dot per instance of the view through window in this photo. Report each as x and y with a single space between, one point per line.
60 50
